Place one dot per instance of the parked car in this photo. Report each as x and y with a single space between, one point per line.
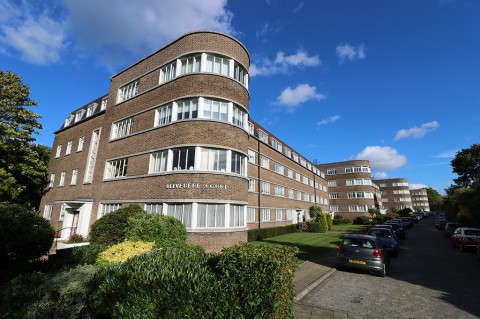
466 238
408 222
449 228
440 222
394 227
397 228
389 242
478 251
363 252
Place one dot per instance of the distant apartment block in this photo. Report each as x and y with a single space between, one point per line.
395 193
420 199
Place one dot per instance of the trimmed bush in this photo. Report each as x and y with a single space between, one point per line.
24 235
263 233
317 227
155 228
329 221
110 229
82 255
362 220
257 281
119 253
341 221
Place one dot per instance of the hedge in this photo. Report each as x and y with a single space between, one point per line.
263 233
317 227
155 228
342 221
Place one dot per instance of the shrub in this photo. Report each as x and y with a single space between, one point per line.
167 283
329 221
24 235
362 220
82 255
257 281
110 229
121 252
179 245
341 221
155 228
76 238
317 227
263 233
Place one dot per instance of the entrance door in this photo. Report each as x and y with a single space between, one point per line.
73 229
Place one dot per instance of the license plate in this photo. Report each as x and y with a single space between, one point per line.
354 261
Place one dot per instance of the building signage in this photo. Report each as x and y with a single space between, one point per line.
195 186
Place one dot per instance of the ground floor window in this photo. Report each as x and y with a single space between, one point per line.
108 208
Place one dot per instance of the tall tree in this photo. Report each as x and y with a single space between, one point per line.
22 163
466 165
435 200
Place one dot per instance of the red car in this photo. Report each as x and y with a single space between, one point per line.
466 238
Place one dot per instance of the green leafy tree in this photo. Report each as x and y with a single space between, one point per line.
466 165
435 200
23 164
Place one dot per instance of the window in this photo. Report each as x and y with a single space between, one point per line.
190 64
213 160
265 162
334 208
62 179
122 128
163 115
128 91
237 214
251 185
47 212
159 162
251 128
333 195
167 73
217 64
265 188
215 110
262 136
278 214
265 214
103 106
331 171
59 151
68 150
299 195
348 170
63 210
279 190
290 193
305 180
295 157
276 145
288 152
303 162
297 176
116 168
91 109
108 208
183 158
52 180
79 115
278 168
81 140
251 156
251 214
289 214
211 215
239 73
154 208
74 177
182 212
92 156
69 119
187 109
306 197
237 163
238 115
290 173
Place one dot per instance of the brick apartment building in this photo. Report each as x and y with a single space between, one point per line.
395 193
420 199
173 135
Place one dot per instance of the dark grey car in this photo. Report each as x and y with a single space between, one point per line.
389 241
363 252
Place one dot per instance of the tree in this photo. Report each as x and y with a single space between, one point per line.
435 200
466 165
23 164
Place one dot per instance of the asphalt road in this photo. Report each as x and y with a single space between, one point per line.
430 279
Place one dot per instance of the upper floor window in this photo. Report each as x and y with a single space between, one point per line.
295 157
79 115
190 64
288 152
348 169
168 72
69 119
183 158
332 183
237 163
128 91
216 110
238 116
103 106
68 150
251 156
91 109
303 162
278 168
217 64
81 140
331 171
122 128
159 162
62 179
47 212
163 115
251 128
262 136
187 109
213 159
74 177
116 168
59 151
239 73
52 180
276 145
265 162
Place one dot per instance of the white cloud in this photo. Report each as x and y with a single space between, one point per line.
418 131
31 33
292 98
382 157
447 154
380 175
351 53
331 119
283 63
417 186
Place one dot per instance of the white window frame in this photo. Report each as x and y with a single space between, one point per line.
74 177
59 151
116 168
81 141
62 178
265 214
47 211
127 91
68 149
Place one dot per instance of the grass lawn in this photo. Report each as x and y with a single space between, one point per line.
312 245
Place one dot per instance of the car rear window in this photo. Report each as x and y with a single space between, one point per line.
358 242
472 232
379 232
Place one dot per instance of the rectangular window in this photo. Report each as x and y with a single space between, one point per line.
108 208
213 160
251 214
279 190
334 208
127 92
91 109
167 73
182 212
262 136
290 193
305 180
278 214
350 195
290 173
47 212
237 216
183 158
265 162
116 168
63 211
251 156
92 156
348 170
295 157
251 128
237 163
187 109
79 115
122 128
265 188
333 195
278 168
81 140
69 120
190 64
68 150
163 115
59 151
288 152
74 177
265 215
239 73
217 64
52 180
299 195
159 162
211 215
332 183
303 162
215 110
297 176
251 185
103 106
276 145
238 115
154 208
306 197
289 214
331 171
62 179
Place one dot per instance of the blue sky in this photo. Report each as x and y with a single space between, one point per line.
396 82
